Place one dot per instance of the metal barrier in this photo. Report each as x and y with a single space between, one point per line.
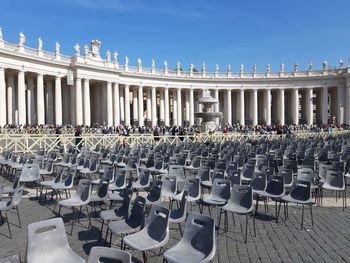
32 142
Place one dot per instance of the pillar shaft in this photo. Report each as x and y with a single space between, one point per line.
109 105
127 105
58 101
309 107
166 106
49 103
30 101
267 107
281 108
191 107
324 105
241 105
116 104
161 105
154 106
21 98
140 108
149 105
40 99
175 120
254 106
2 98
78 102
87 109
179 107
10 99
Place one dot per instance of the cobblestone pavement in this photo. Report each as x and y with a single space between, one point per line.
328 240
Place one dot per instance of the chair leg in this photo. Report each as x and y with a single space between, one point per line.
8 224
89 215
246 228
254 225
180 229
144 256
302 218
19 218
312 217
71 231
278 212
257 204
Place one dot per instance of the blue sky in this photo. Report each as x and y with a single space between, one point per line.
195 31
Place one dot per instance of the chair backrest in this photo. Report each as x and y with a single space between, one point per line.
30 171
124 208
192 185
102 190
108 172
183 204
221 164
107 254
16 198
221 188
335 179
144 177
155 191
287 174
242 195
68 182
157 223
120 179
45 238
169 184
306 174
84 190
247 172
176 170
137 210
199 233
233 176
196 162
259 181
301 190
204 173
275 185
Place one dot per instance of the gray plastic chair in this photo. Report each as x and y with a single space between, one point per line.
155 234
219 194
169 186
10 189
300 194
193 187
335 181
178 171
79 199
48 183
240 202
143 181
30 174
179 215
66 184
154 196
198 243
118 213
106 254
247 172
131 224
9 204
48 243
108 172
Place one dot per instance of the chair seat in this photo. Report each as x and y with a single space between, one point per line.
71 202
236 208
333 188
207 183
122 227
7 189
142 241
58 256
216 201
115 197
47 183
95 198
28 179
4 204
111 215
59 186
289 198
184 253
137 184
176 216
268 195
178 197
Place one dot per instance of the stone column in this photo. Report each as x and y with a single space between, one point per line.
49 101
109 104
161 105
21 98
179 107
324 105
175 120
267 107
255 106
10 99
228 107
30 102
87 108
295 106
309 107
149 105
340 105
166 106
191 107
40 99
135 110
116 102
140 108
154 106
127 104
2 98
281 107
216 105
241 106
121 101
187 105
78 102
58 101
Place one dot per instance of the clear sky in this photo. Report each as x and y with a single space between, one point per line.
191 31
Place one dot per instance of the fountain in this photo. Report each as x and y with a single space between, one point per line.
207 115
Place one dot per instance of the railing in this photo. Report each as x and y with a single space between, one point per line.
30 143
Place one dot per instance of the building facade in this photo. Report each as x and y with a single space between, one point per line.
39 87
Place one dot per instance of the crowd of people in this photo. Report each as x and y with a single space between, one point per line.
125 130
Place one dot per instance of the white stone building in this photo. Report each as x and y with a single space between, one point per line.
39 87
